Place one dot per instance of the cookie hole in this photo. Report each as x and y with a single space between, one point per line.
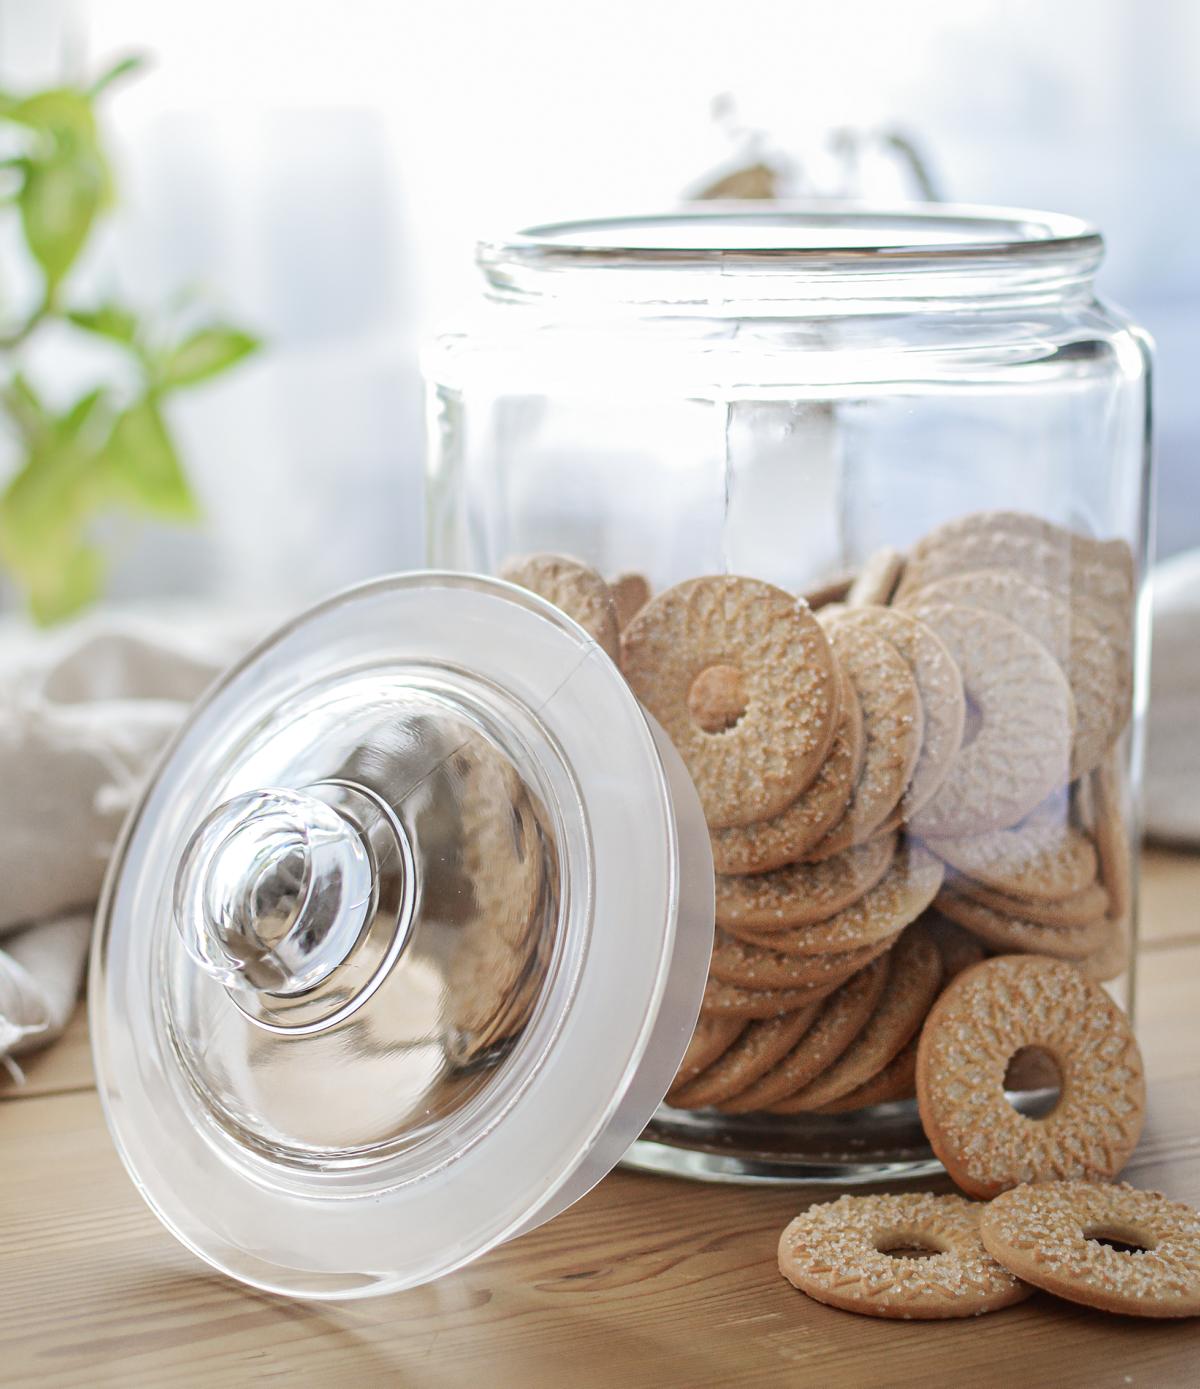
906 1247
973 722
717 699
1123 1241
1033 1082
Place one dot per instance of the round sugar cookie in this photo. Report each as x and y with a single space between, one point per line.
757 767
914 979
983 1018
631 592
759 1047
1050 1233
711 1038
1080 909
837 1253
940 687
1043 857
1086 657
1021 750
575 588
876 581
910 884
896 1081
788 836
893 725
1003 932
752 966
843 1016
802 893
731 1001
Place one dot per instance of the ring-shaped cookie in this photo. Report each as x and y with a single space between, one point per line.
753 1054
573 587
1043 857
940 687
983 1018
913 982
901 895
893 725
759 766
1022 748
1050 1234
802 893
1004 933
1087 659
837 1253
842 1018
788 836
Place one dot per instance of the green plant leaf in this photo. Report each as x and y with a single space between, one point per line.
108 320
66 179
62 111
121 69
144 465
43 513
205 354
59 201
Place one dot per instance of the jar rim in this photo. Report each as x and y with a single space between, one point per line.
823 243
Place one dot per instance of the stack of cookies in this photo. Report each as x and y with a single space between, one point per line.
913 775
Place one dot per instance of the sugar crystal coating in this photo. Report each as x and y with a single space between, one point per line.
836 1253
1050 1234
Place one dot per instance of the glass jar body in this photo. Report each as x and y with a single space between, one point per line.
703 425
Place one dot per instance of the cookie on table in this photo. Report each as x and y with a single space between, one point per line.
837 1253
1050 1234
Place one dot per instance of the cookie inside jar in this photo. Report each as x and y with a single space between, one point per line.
911 777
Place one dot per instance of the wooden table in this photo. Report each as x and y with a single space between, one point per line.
647 1281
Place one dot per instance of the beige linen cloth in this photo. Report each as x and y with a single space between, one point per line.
83 714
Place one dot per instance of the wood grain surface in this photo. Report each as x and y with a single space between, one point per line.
646 1282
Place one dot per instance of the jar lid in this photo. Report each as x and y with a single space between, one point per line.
404 942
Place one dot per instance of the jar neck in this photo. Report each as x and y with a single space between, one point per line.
812 260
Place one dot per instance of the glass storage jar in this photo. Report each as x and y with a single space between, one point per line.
924 422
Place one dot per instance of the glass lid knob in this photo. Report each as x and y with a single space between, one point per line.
273 891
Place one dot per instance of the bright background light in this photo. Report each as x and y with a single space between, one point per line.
324 170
